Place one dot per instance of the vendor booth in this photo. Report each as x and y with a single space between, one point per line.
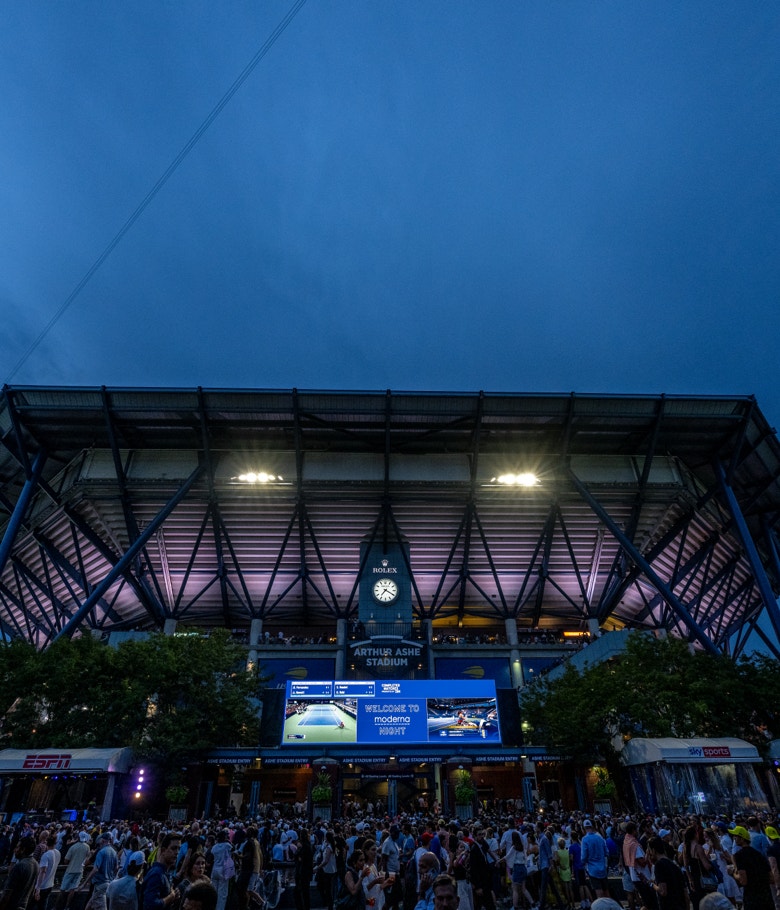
64 783
705 776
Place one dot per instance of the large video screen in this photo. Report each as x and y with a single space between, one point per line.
390 712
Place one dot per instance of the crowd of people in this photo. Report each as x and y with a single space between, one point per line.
415 861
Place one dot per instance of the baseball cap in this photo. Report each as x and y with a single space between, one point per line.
772 833
138 858
84 837
587 823
739 831
664 832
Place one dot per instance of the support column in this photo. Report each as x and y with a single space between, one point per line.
759 573
170 627
593 626
341 647
20 510
108 799
255 631
428 628
515 666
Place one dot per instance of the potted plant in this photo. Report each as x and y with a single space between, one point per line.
176 794
604 788
322 795
465 791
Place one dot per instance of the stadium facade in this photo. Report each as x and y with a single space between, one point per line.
384 536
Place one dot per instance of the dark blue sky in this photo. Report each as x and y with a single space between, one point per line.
510 196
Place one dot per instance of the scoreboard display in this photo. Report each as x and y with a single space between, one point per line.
390 712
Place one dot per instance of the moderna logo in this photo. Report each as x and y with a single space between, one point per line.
56 761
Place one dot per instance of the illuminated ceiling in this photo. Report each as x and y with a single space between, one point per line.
124 508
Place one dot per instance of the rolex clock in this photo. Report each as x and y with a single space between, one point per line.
385 591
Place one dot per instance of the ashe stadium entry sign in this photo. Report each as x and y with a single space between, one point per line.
390 712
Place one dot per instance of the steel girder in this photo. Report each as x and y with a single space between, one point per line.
494 561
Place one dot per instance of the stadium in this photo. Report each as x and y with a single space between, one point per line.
389 536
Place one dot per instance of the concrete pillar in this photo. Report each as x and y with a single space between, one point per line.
428 628
170 627
255 631
515 667
108 799
593 626
341 647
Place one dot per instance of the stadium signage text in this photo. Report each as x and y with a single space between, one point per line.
709 751
40 761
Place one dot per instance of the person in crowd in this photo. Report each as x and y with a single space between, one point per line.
595 859
157 891
103 872
751 870
428 868
327 868
445 893
249 878
75 858
668 881
21 880
696 863
201 896
303 862
47 869
123 892
222 867
193 872
354 875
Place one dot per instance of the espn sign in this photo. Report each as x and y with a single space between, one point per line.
47 761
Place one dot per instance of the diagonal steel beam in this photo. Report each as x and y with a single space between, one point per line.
759 573
661 586
140 590
20 509
131 554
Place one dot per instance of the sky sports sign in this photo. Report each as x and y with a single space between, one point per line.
391 712
709 751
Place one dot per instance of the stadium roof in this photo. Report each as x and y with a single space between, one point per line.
124 508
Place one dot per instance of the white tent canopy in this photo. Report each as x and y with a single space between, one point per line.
642 751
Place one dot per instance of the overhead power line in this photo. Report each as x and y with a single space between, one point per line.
161 181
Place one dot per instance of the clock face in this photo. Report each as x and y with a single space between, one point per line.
385 590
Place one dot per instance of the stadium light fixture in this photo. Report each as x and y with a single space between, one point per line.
523 479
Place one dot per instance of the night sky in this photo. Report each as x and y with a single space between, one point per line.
510 196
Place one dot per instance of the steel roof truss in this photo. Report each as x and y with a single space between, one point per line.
31 583
67 573
544 568
759 573
8 595
142 560
190 564
114 559
641 561
131 554
20 509
247 602
47 626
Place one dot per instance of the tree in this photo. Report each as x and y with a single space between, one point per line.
657 687
169 698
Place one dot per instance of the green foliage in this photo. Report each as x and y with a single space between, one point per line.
465 791
656 688
176 793
322 792
605 787
167 697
